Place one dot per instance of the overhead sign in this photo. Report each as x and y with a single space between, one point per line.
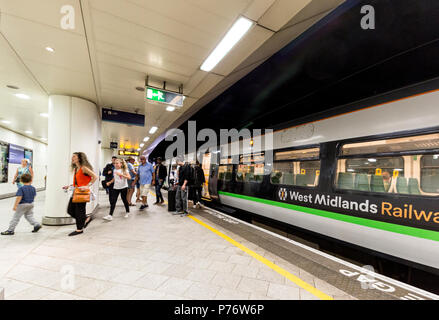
165 97
113 145
128 153
123 117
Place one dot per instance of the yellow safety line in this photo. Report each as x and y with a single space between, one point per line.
268 263
265 261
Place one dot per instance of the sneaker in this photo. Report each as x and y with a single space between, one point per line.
177 212
184 214
142 207
108 218
36 228
194 206
156 203
126 215
7 233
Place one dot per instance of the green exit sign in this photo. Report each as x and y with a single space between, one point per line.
155 95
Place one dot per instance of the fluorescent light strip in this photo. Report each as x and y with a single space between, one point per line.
153 130
146 139
238 30
22 96
170 109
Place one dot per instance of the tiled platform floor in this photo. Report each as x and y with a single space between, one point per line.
150 255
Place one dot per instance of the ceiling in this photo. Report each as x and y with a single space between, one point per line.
116 44
331 68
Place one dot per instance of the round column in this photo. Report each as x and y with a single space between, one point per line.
74 126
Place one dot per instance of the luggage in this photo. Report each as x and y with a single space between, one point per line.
171 199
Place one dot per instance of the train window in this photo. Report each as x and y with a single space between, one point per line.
225 172
295 168
430 173
401 173
421 143
251 168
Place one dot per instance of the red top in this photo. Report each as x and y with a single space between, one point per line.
81 179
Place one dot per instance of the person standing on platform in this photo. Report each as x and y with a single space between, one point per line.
120 186
199 180
131 184
184 173
24 205
144 176
83 178
108 174
25 168
160 175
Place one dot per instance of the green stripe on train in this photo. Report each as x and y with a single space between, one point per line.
415 232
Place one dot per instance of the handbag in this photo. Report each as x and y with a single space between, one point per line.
80 196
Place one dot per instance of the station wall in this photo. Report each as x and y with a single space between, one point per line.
39 163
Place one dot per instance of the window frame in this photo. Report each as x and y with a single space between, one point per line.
403 134
420 176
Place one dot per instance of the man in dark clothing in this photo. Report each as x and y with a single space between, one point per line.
108 174
199 180
184 178
160 175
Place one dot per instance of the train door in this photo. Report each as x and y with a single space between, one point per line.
211 173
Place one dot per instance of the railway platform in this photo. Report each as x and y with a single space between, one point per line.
154 255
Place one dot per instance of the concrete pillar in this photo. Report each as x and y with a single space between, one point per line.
74 126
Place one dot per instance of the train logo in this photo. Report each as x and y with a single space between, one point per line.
283 194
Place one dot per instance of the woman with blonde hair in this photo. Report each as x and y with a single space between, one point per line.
120 180
23 169
83 179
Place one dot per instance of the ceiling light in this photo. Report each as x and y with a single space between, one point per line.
142 145
22 96
153 130
44 139
146 139
170 109
28 132
372 160
138 149
45 115
238 30
6 121
50 49
12 87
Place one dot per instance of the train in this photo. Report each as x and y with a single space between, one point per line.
369 178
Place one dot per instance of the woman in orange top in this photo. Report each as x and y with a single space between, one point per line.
83 178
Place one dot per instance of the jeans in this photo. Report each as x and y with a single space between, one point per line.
158 192
114 194
25 209
197 194
181 199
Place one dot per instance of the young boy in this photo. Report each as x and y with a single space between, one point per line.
24 205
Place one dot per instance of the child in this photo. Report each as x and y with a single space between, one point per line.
24 205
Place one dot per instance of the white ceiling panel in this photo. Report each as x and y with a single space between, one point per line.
258 8
30 39
208 83
228 9
151 20
103 21
46 12
63 81
281 12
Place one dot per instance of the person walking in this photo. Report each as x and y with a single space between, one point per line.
24 205
160 175
131 184
144 176
184 172
199 180
83 179
108 174
25 168
120 186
